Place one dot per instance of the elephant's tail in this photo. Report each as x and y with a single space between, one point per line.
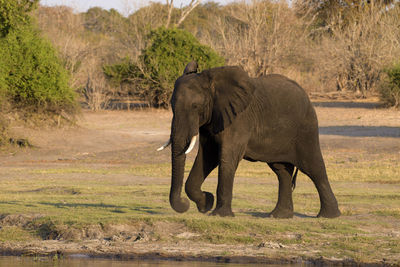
294 178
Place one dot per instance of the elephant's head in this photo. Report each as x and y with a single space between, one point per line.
212 98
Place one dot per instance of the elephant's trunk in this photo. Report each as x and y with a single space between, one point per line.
178 203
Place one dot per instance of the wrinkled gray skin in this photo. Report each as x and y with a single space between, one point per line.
268 119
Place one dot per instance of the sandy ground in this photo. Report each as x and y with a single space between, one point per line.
109 137
360 125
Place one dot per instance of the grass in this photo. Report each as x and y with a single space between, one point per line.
79 196
14 233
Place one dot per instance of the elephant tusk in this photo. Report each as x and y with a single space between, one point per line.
165 145
192 143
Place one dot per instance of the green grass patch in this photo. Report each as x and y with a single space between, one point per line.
388 212
77 198
14 233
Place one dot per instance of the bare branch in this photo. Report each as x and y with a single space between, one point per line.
170 6
193 4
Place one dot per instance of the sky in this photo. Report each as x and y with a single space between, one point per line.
123 6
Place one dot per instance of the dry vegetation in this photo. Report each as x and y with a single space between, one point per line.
324 45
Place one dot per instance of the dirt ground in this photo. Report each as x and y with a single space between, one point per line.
108 138
106 135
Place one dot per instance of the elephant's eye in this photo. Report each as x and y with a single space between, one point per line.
195 106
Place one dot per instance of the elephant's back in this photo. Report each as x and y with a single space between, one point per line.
281 86
279 94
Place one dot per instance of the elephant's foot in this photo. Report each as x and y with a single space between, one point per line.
206 203
281 213
329 212
223 212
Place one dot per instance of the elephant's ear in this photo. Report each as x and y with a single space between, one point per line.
233 92
191 67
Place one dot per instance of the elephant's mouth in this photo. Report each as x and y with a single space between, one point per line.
188 150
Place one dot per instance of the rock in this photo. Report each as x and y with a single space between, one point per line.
270 244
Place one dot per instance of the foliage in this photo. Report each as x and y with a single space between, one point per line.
99 20
14 14
3 104
167 55
324 45
128 77
3 130
121 72
33 76
162 62
389 89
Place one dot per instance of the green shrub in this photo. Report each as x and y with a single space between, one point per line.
3 128
15 13
389 88
167 55
122 72
130 80
163 61
3 119
32 77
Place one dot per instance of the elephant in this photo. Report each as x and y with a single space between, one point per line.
268 119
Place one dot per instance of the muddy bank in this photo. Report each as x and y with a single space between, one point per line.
157 240
170 252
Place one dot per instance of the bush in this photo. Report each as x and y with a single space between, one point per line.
31 76
3 128
162 62
390 87
15 13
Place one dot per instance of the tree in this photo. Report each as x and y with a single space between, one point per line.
389 89
14 14
322 12
161 63
102 21
358 39
184 11
32 77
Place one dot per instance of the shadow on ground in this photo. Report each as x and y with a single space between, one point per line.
347 105
361 131
267 214
84 205
115 208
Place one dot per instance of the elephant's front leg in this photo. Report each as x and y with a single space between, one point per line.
284 206
206 161
229 161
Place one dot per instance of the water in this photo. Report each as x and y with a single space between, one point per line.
6 261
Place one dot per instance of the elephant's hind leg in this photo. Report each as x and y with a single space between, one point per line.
314 167
206 161
284 206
